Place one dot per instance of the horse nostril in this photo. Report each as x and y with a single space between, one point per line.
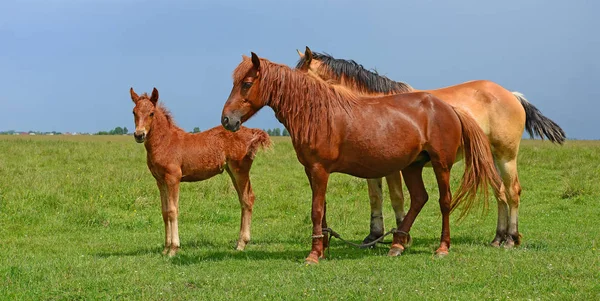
237 123
225 120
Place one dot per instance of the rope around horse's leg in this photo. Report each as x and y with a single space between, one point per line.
337 235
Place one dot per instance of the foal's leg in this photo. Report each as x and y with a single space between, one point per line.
375 198
172 212
164 198
241 181
418 197
318 179
394 182
510 179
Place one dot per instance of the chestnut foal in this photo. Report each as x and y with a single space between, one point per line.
175 156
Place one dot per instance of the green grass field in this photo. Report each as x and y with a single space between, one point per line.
80 219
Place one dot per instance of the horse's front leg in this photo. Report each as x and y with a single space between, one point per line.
318 179
172 213
164 198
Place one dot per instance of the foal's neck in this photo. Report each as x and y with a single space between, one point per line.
160 132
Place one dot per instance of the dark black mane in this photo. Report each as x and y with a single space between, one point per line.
370 81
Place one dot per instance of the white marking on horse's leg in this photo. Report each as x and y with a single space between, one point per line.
513 195
394 182
375 197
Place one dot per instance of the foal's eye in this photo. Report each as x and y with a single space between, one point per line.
152 114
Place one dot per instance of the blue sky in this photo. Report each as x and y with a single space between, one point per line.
67 65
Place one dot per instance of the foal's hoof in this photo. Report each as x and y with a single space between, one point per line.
240 246
396 250
173 251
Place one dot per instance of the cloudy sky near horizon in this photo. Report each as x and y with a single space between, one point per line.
67 65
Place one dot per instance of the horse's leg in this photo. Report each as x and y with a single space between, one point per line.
442 175
241 181
318 179
172 212
502 226
418 197
375 198
510 179
164 198
394 182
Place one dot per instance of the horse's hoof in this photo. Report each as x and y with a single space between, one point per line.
311 260
240 246
165 251
495 244
173 252
395 250
441 254
371 238
509 244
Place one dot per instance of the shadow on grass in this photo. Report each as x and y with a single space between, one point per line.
202 250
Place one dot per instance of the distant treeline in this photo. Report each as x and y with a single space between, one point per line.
116 131
277 132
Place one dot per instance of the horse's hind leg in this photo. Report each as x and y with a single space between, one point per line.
375 198
394 182
442 175
418 197
510 179
240 176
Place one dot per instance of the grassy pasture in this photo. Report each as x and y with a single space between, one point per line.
80 219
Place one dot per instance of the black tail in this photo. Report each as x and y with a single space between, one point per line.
538 124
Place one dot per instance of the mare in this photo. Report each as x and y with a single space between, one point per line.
333 130
501 114
175 156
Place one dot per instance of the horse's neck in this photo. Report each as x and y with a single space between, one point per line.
160 133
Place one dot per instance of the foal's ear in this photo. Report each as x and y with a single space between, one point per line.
134 96
255 61
307 57
154 96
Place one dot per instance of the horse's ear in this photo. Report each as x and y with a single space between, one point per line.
154 96
300 54
255 61
307 56
134 96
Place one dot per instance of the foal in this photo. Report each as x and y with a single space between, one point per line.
175 156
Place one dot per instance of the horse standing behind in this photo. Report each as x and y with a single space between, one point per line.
334 131
501 114
175 156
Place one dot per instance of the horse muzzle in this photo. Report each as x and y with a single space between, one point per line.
231 123
139 137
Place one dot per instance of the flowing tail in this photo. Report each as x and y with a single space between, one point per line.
260 140
538 124
480 171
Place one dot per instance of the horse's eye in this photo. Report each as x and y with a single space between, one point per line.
152 114
133 113
247 85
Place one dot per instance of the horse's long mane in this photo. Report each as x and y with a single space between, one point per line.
362 79
161 107
304 104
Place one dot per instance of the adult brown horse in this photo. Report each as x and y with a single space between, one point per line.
501 114
332 130
175 156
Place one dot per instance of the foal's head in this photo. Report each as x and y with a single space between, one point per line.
143 113
245 97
